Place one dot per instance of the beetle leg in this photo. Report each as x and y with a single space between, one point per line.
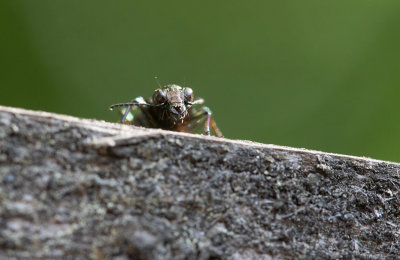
205 115
196 102
139 101
126 113
207 123
211 122
214 126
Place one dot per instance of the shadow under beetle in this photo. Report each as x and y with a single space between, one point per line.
171 108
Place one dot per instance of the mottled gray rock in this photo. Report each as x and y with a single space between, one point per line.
76 188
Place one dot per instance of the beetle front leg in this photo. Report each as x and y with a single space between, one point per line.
211 122
207 123
128 110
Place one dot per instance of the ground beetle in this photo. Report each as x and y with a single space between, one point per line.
171 108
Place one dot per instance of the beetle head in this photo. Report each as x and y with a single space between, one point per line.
175 100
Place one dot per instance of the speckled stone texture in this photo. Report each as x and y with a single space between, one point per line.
76 189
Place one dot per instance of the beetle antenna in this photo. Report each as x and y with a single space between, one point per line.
158 82
127 105
134 104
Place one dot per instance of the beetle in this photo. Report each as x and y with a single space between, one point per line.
171 108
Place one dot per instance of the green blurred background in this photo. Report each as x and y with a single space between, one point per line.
316 74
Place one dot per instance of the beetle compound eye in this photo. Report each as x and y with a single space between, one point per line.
188 94
159 96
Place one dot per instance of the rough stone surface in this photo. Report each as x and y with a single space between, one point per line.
76 188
